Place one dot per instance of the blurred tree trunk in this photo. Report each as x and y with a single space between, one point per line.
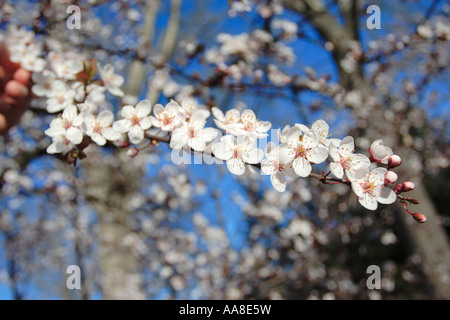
113 186
110 189
428 240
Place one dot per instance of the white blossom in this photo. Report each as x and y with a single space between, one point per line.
344 158
237 151
277 169
99 127
193 134
60 96
302 150
135 121
111 80
167 118
369 187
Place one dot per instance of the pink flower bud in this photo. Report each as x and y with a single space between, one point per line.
399 188
394 161
132 152
390 177
408 186
419 217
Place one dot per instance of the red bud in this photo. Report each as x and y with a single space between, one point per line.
132 152
390 178
394 161
419 217
408 186
124 144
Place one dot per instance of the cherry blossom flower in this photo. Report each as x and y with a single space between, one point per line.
379 152
322 129
275 168
135 121
111 80
251 126
227 121
167 118
31 60
193 134
99 127
370 189
60 144
64 65
67 126
43 83
189 107
237 152
302 150
344 158
60 96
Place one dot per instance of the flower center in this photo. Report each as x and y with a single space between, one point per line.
97 128
237 153
229 116
167 118
345 163
368 187
301 151
135 120
191 132
67 124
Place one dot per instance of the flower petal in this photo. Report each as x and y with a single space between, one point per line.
302 167
143 108
368 201
236 166
267 167
136 134
336 169
179 139
122 125
157 109
347 145
221 151
74 135
105 118
209 134
145 123
254 156
279 181
387 196
318 155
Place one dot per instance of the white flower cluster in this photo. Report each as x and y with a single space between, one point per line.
25 49
300 147
60 81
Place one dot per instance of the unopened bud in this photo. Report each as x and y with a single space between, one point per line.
124 144
419 217
390 177
408 186
394 161
132 152
399 188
